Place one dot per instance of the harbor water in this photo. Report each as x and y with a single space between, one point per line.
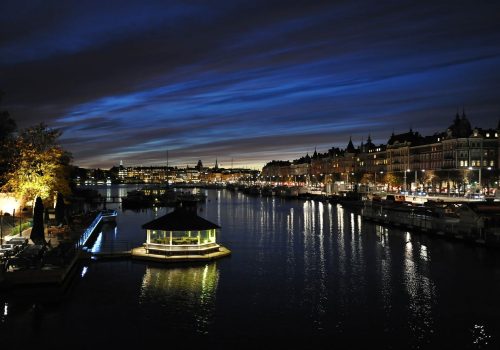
300 271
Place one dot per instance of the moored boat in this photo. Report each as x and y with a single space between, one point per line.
478 222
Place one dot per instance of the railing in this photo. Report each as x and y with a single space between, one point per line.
88 232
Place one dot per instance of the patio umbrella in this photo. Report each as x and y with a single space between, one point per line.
60 209
37 231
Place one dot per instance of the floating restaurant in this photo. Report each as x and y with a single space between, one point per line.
181 235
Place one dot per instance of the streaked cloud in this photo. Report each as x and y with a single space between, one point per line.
251 81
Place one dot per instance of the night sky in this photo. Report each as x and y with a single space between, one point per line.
245 80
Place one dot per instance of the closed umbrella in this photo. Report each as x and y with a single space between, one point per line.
37 231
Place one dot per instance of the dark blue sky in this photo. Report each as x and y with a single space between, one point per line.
248 80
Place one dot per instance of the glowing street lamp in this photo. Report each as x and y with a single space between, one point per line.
471 168
406 171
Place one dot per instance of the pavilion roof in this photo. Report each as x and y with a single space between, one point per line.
181 219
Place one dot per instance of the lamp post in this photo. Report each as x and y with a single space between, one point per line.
375 178
404 184
480 186
404 187
489 181
423 177
479 179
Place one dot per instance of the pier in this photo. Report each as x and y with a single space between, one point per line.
103 216
47 273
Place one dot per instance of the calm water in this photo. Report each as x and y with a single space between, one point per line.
300 272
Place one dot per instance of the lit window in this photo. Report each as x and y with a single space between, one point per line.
466 163
374 156
487 134
492 163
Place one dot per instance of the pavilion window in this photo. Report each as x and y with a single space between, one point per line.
153 235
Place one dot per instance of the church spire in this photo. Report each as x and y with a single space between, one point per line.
350 146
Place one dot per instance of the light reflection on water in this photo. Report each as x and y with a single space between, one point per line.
186 293
304 269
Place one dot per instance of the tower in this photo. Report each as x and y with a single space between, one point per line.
350 146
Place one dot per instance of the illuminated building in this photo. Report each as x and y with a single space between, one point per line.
461 158
181 232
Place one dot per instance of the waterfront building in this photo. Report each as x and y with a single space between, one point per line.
459 160
122 171
374 158
181 232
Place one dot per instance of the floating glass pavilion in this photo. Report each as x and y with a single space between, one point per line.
181 232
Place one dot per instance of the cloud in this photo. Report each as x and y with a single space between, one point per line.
258 80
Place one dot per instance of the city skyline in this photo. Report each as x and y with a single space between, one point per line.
248 82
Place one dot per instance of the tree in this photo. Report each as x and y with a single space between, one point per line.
41 166
390 179
37 231
367 178
7 128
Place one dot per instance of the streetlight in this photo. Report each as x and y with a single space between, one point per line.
489 180
422 181
375 178
471 168
406 171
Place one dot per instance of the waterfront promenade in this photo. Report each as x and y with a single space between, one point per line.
53 262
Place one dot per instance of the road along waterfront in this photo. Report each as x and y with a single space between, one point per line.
300 271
